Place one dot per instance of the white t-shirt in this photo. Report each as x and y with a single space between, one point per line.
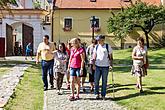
89 53
140 52
102 59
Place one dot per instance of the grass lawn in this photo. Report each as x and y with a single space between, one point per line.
29 92
154 85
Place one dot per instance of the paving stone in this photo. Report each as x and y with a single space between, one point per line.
9 81
87 101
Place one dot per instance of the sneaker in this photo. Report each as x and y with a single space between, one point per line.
141 91
103 98
45 88
97 97
92 89
59 93
52 86
71 98
84 90
68 87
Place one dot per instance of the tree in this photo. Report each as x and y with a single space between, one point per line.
37 4
138 14
5 4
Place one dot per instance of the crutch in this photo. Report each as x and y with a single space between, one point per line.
113 86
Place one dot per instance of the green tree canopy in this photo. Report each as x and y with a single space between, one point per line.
4 4
139 14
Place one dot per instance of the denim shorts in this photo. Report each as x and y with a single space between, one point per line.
75 72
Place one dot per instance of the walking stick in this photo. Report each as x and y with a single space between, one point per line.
113 86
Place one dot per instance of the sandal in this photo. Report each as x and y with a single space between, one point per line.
77 97
92 90
141 91
71 98
68 87
84 90
137 86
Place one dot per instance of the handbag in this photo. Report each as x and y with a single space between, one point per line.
146 66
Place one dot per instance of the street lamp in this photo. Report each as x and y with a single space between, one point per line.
93 26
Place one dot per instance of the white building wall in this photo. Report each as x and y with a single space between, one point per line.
34 22
29 4
1 34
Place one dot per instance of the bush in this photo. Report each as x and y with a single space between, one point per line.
37 5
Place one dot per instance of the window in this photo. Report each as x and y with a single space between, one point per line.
46 7
47 18
96 23
67 24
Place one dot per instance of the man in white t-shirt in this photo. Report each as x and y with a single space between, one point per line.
103 59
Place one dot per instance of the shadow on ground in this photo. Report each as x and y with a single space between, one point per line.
147 92
119 87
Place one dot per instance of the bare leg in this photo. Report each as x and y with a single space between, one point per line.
78 85
68 80
72 78
92 85
139 82
82 82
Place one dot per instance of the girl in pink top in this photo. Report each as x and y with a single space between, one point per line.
76 57
76 64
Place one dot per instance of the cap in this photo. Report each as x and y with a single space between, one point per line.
98 37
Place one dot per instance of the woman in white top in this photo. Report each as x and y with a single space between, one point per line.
140 62
60 59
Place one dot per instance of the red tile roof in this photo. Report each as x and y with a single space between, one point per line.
99 4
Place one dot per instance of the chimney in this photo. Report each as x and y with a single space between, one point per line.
126 0
163 2
92 0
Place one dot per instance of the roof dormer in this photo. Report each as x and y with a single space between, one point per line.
126 0
92 0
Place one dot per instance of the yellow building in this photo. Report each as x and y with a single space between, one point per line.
72 18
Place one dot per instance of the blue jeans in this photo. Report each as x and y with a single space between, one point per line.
75 72
101 71
47 67
28 53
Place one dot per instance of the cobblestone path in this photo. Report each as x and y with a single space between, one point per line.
87 101
9 81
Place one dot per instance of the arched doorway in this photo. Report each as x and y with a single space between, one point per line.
18 35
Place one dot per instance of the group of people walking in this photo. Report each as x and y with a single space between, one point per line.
74 59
